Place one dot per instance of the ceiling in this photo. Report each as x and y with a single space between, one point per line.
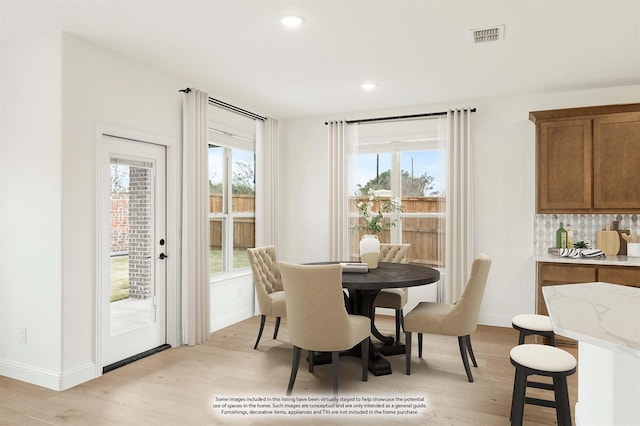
418 52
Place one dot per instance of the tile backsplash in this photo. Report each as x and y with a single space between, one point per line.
585 227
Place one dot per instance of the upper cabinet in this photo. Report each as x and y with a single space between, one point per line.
588 159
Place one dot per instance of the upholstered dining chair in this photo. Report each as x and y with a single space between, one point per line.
268 283
317 319
394 298
459 319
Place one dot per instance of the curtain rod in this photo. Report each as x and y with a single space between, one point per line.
230 107
398 117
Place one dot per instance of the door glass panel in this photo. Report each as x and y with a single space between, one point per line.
243 205
131 244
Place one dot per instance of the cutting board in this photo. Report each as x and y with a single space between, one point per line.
608 241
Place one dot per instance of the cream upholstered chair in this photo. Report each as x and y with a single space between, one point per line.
459 319
394 298
317 319
268 282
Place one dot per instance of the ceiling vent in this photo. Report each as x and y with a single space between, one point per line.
483 35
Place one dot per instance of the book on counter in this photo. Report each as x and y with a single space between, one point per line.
362 268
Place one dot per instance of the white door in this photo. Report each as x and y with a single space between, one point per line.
133 247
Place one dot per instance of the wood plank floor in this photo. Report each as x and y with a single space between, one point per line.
180 386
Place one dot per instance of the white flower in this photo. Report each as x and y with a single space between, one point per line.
375 220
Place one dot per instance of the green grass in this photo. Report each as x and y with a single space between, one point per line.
240 260
119 278
120 270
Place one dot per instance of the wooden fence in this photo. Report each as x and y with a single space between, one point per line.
426 235
244 229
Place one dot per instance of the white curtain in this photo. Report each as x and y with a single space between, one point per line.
267 143
195 219
338 209
459 223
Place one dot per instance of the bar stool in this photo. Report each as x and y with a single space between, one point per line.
542 360
528 324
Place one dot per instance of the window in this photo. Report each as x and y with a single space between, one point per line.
231 201
405 159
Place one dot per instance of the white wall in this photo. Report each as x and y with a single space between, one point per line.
102 88
56 90
30 209
504 185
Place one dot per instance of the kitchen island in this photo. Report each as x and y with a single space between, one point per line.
605 320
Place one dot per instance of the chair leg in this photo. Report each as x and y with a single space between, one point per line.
563 411
521 337
335 360
470 349
311 361
517 399
294 369
398 317
275 332
364 353
262 320
513 393
552 339
419 345
463 353
407 347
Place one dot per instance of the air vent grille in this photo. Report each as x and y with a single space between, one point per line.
483 35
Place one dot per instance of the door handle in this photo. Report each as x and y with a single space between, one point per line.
162 256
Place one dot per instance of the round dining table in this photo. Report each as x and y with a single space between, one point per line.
363 289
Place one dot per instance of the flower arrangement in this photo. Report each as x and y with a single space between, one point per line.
374 222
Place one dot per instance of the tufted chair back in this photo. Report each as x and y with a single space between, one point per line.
394 253
266 275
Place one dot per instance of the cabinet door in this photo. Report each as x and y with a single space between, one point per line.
623 275
564 165
616 165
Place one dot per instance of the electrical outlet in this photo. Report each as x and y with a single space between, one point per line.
22 335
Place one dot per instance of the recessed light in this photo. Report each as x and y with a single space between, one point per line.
368 86
292 21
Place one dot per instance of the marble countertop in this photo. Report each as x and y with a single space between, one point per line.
611 260
602 314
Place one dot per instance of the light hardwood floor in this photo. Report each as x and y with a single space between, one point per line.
179 386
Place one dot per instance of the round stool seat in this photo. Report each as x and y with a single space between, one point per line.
543 358
533 322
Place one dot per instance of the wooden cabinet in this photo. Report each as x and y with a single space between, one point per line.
616 165
623 275
587 159
551 273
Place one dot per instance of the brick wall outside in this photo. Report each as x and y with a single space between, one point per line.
140 232
119 242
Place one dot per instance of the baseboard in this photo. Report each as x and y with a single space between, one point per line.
47 378
495 320
227 320
78 375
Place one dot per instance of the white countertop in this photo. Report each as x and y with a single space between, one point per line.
602 314
611 260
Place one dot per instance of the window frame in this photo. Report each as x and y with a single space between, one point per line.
228 216
396 146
